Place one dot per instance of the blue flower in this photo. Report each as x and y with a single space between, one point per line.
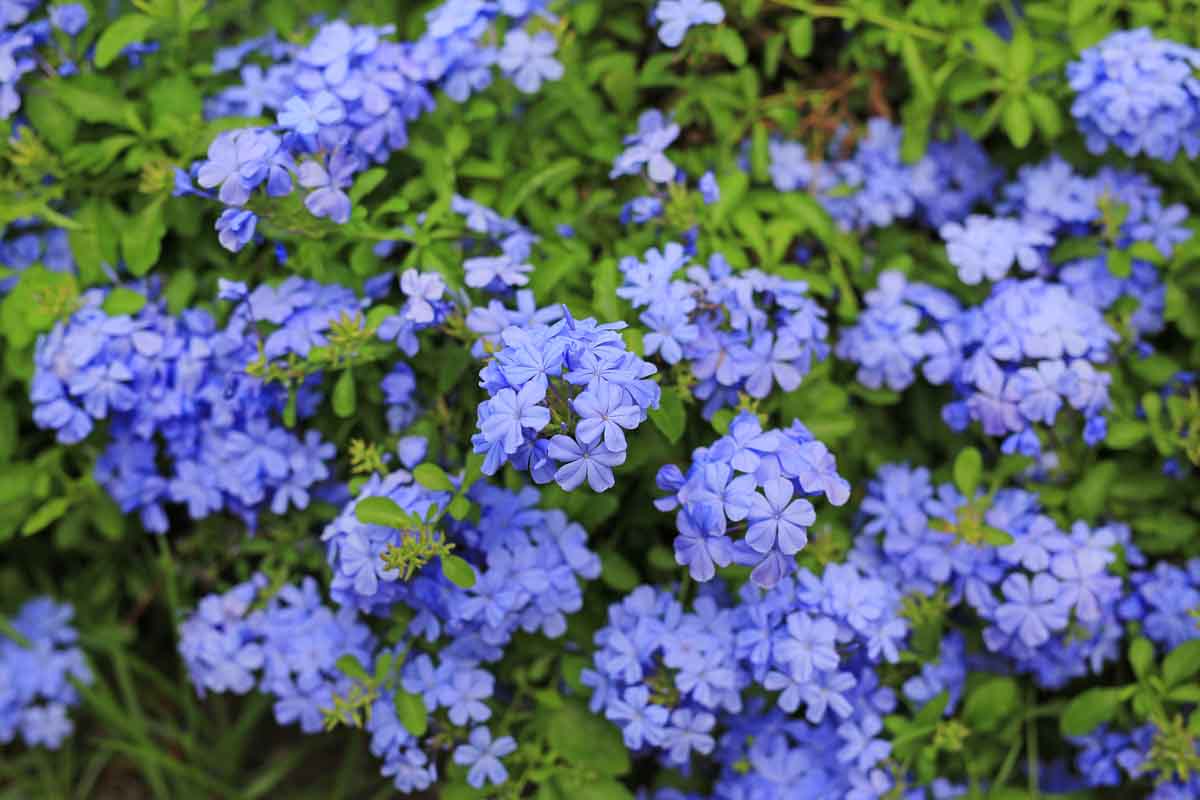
235 228
528 60
329 200
642 722
501 270
308 116
581 461
1138 93
511 412
1033 610
808 647
676 16
70 18
776 520
483 756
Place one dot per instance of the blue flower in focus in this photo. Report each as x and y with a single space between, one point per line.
483 756
308 116
235 228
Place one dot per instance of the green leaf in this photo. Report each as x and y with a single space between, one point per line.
991 703
1141 656
670 417
605 281
431 476
50 511
351 667
617 573
122 33
1120 262
345 396
731 44
459 507
1089 709
800 36
722 420
1125 433
918 71
411 711
1182 663
587 741
384 511
122 300
760 158
1021 54
141 239
458 571
1087 497
968 469
1046 114
996 537
1018 123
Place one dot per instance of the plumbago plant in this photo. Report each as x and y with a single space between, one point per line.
540 399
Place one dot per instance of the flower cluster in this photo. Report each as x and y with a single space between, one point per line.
28 246
751 480
577 373
740 332
1048 597
287 646
345 100
179 385
528 565
494 273
987 247
874 187
671 678
1013 361
36 671
22 38
1138 93
1114 757
1164 600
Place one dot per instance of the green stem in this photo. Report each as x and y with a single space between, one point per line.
853 15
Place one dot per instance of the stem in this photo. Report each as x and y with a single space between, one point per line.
853 15
1031 752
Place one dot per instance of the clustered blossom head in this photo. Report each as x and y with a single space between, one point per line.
26 45
681 683
1048 597
426 305
528 564
560 398
1138 93
345 100
505 271
1014 361
23 244
287 646
35 674
1109 757
740 332
874 187
178 385
986 247
754 480
1164 599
